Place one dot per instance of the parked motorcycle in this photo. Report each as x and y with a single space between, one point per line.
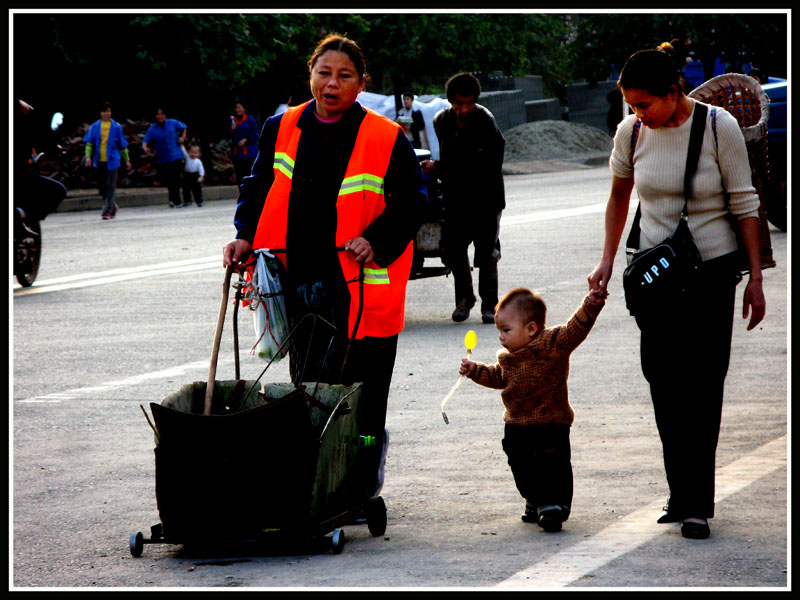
428 242
35 197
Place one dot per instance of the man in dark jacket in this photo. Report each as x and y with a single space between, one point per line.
470 168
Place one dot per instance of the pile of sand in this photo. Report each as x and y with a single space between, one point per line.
547 140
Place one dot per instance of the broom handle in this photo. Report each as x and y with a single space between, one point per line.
212 368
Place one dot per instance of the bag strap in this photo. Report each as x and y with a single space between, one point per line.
693 154
696 135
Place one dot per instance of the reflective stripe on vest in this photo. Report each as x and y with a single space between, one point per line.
376 276
360 201
359 183
283 163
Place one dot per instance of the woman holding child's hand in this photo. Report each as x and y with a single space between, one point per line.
685 345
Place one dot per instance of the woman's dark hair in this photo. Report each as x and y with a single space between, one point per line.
655 71
462 84
342 44
105 106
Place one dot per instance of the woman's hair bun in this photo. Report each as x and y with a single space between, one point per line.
677 50
665 47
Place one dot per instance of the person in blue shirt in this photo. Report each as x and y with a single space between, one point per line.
244 135
106 148
167 137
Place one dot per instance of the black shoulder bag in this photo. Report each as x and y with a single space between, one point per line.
662 274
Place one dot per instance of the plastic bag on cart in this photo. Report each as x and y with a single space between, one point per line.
269 304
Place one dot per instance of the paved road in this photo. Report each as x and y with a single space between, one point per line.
124 313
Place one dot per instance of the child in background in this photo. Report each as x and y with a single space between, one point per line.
532 371
193 174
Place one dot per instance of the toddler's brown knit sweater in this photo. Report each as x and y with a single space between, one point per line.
534 378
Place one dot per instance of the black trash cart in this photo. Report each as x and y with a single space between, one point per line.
251 463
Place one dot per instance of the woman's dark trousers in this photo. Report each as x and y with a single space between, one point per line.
170 176
685 351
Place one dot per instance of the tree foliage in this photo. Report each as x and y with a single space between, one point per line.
198 63
601 41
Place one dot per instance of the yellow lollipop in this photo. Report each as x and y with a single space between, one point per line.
470 341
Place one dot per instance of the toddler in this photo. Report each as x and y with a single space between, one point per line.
193 174
532 371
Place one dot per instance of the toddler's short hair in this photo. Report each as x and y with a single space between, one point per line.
529 305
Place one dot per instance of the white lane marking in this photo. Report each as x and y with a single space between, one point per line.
548 215
639 527
122 274
95 390
209 262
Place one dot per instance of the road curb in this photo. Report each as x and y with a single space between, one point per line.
81 200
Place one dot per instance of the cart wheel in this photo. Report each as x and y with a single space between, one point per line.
337 541
376 516
137 544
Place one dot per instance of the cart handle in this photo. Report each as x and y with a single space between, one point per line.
212 368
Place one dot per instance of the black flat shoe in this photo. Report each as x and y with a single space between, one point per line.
550 520
530 515
666 516
550 523
695 531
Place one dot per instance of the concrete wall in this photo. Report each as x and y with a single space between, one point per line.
548 109
531 86
524 103
588 104
508 107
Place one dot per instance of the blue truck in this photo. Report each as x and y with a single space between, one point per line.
776 89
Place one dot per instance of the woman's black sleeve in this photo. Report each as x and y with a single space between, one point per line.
254 187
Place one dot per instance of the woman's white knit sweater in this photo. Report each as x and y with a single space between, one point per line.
658 165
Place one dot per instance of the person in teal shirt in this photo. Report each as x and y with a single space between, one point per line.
167 137
106 148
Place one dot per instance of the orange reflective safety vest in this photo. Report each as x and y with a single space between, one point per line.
359 203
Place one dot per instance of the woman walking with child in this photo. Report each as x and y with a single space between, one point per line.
685 343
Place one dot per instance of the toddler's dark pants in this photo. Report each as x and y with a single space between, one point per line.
685 351
192 186
540 460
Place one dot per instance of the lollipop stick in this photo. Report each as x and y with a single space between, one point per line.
469 341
